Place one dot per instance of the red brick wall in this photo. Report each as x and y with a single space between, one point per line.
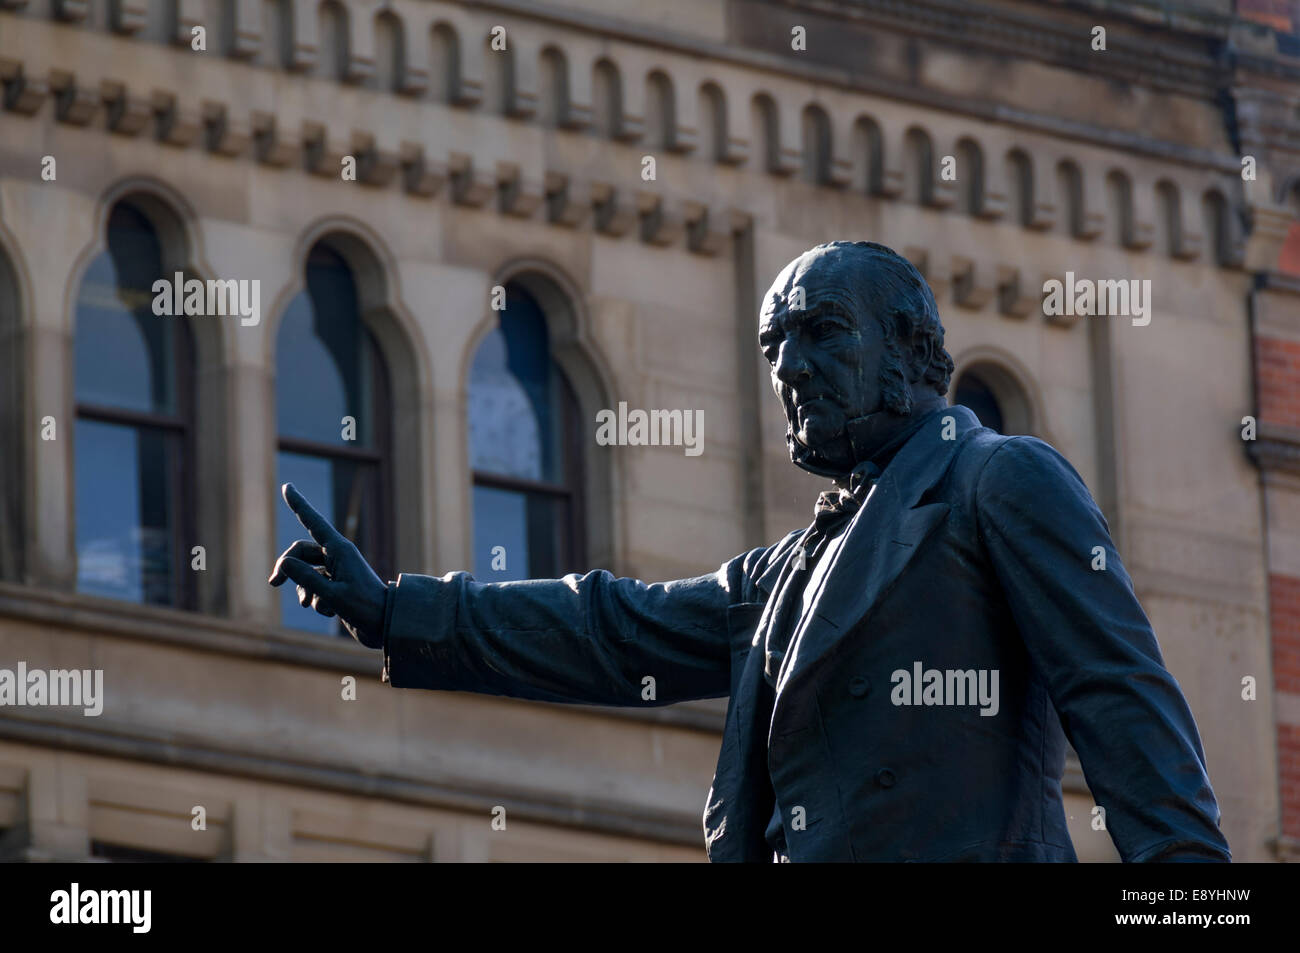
1277 364
1288 758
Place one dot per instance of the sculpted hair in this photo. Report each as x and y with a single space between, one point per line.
904 305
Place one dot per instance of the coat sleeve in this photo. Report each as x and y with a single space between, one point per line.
1085 631
592 638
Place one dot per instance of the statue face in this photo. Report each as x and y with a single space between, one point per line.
825 358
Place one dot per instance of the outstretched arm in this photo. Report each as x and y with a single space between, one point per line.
591 639
1084 629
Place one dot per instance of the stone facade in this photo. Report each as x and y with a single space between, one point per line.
773 126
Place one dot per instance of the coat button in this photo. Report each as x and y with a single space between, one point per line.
859 685
885 778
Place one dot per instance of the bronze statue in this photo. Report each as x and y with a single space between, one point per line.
903 674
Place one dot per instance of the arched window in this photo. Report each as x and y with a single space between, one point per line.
868 157
1069 188
713 109
554 88
661 111
524 448
970 177
996 397
1020 187
445 78
335 47
816 145
390 53
1119 207
12 423
133 441
332 416
607 100
767 127
918 167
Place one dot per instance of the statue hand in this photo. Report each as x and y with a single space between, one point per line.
344 585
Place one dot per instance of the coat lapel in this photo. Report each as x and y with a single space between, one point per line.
882 538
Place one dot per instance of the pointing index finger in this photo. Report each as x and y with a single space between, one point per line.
320 528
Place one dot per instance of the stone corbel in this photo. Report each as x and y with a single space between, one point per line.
223 135
1016 298
420 176
174 124
934 269
21 94
469 186
567 202
127 114
707 229
973 284
268 147
375 166
661 224
72 104
613 215
520 196
319 156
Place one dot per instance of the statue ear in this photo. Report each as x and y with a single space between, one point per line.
918 346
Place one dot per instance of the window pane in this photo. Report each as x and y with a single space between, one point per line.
975 394
125 511
533 528
325 359
346 492
500 519
515 428
125 353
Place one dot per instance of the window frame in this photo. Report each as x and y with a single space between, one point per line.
182 471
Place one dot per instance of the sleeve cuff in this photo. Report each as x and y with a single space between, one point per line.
420 648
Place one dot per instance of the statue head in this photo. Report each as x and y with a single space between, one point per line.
852 335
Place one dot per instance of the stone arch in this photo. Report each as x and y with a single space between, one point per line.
816 133
992 374
396 332
335 40
1020 186
868 155
713 112
970 176
607 99
661 111
556 102
1119 207
16 421
575 352
918 166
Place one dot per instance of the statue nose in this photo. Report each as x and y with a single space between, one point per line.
791 367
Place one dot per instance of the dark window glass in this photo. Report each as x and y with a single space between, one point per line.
975 394
328 368
523 427
121 854
132 437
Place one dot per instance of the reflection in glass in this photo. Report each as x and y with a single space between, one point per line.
522 439
328 368
130 440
